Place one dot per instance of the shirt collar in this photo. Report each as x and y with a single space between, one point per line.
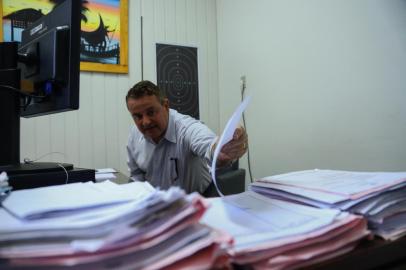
170 131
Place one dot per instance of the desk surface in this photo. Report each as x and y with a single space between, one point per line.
375 254
121 178
369 255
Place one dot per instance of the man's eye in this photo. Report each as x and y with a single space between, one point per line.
137 117
151 113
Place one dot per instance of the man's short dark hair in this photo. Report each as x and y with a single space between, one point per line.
145 88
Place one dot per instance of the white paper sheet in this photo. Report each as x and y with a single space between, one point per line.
227 136
90 223
34 203
105 170
308 193
252 218
3 177
353 185
104 176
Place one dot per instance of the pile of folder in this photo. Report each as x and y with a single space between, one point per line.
275 234
106 226
378 196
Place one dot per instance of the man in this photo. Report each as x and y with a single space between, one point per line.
167 148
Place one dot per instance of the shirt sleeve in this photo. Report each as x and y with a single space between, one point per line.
200 139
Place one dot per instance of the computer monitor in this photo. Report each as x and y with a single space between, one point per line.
39 76
49 55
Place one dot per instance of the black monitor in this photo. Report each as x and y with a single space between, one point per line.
49 56
39 76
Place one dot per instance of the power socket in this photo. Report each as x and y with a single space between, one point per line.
243 80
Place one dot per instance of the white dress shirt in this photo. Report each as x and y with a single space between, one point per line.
181 158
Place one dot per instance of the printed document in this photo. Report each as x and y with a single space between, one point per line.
227 136
55 200
253 219
351 185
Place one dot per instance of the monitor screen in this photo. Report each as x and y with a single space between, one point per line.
49 59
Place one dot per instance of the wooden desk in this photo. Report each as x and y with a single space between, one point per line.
369 255
375 254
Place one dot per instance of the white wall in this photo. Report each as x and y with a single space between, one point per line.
327 78
95 136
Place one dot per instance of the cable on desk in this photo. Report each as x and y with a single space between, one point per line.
29 161
66 172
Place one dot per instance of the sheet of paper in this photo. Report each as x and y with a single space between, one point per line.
3 177
351 204
88 222
345 183
252 218
35 203
343 222
329 243
105 170
175 219
183 244
83 223
104 176
315 195
393 227
227 136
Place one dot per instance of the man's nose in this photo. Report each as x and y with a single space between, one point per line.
146 121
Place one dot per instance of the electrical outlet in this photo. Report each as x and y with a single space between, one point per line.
243 79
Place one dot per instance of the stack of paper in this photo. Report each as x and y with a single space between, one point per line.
379 196
105 174
104 225
274 234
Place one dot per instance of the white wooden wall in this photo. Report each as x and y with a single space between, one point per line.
95 136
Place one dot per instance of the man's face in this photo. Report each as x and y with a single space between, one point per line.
150 116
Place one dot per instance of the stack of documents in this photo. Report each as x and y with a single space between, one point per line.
378 196
105 225
105 174
275 234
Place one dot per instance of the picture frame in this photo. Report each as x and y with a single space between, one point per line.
105 52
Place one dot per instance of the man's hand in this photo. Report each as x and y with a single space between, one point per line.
234 149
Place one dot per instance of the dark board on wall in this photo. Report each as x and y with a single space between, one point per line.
177 76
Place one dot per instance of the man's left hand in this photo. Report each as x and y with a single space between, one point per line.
235 148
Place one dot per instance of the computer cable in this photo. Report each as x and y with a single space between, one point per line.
29 161
66 172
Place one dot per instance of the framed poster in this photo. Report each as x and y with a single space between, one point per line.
104 33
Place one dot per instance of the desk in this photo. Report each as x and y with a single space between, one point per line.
376 254
369 255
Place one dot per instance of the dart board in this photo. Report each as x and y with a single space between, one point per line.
177 76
